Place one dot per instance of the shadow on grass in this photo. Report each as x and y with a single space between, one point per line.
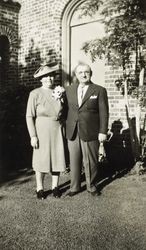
18 177
108 179
64 187
107 173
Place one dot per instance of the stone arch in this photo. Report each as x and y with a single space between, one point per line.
66 19
12 54
6 31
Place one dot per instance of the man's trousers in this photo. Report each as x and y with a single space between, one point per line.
86 154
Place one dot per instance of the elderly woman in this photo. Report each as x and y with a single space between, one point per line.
43 115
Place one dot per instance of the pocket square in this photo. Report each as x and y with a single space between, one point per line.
93 96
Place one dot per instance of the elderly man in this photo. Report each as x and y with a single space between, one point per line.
86 126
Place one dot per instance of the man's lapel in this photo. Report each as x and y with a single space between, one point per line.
75 93
89 92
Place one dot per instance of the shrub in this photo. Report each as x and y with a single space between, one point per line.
15 151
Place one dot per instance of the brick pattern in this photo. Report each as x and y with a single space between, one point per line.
117 102
9 28
39 32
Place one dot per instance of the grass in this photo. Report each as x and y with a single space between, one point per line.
114 221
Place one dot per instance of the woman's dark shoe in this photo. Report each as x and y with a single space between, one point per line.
40 195
56 192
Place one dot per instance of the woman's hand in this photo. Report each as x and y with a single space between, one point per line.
34 142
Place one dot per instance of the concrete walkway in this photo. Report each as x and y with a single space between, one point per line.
114 221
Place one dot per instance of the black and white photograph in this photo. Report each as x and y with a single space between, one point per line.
72 125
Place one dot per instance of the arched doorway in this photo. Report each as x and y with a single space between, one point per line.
4 59
76 30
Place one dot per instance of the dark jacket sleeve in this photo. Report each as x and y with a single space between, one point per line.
103 111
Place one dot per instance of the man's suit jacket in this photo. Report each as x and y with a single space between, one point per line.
91 117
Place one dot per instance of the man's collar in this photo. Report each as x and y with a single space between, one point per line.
84 84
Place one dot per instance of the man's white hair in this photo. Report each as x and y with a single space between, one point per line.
82 64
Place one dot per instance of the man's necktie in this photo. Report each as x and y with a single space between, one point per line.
81 95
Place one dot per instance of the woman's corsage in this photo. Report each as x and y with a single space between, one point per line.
58 93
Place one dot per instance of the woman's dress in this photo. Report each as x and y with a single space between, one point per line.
43 121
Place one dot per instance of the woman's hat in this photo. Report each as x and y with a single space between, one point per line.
45 70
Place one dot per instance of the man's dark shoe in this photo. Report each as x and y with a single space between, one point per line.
40 195
95 193
71 194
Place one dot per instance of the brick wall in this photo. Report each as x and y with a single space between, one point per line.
9 30
118 122
116 98
40 35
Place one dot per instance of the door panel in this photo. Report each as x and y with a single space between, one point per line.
79 35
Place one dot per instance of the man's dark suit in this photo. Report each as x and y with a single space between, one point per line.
86 121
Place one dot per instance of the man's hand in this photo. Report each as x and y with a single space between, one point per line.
102 137
34 142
